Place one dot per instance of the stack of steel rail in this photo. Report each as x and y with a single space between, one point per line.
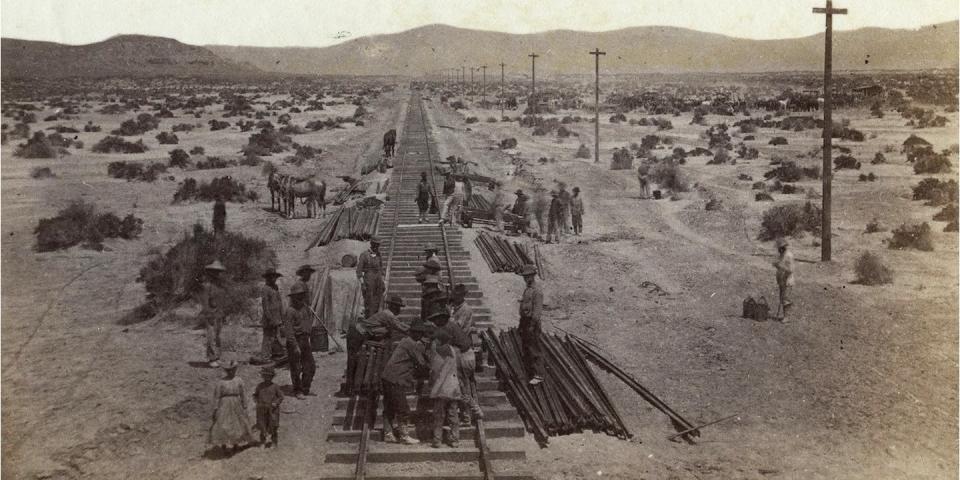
502 255
353 222
370 362
569 400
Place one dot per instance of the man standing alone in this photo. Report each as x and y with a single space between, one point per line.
370 272
531 308
576 211
272 317
785 279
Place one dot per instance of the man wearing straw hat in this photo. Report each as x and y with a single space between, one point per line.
297 326
531 308
370 271
785 279
272 317
213 304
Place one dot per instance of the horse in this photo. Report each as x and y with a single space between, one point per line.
311 193
389 142
274 184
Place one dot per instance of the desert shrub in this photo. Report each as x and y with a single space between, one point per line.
80 223
878 159
947 213
90 127
457 105
868 177
491 119
211 163
267 142
137 126
936 192
720 158
790 189
789 220
41 172
762 197
873 226
667 175
617 118
166 138
747 153
218 125
471 120
778 141
251 160
845 162
38 146
135 171
745 177
563 132
622 159
508 143
582 152
246 126
871 270
114 144
63 129
932 163
713 205
852 134
359 112
292 129
786 172
912 236
179 158
953 226
175 276
226 188
198 150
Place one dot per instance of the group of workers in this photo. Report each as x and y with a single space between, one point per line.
564 215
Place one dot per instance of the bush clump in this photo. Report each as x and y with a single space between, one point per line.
226 188
936 192
667 175
871 270
114 144
179 158
508 143
175 276
778 141
267 142
135 171
789 220
167 138
846 162
947 214
912 236
932 163
41 172
582 152
218 125
38 146
622 160
137 126
80 223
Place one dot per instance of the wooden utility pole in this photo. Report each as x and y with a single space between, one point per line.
472 89
501 89
483 87
596 106
825 234
533 83
463 79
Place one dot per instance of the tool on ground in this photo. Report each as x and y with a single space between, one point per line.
698 427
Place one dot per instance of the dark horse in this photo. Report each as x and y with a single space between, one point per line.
389 141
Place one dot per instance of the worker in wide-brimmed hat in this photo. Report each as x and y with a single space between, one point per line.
304 272
576 211
212 297
555 218
424 194
298 322
785 277
268 397
531 309
231 427
406 364
370 272
461 315
432 292
383 325
520 210
271 318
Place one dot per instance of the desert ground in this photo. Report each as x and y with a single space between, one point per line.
861 383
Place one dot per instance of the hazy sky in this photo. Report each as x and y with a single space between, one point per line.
322 22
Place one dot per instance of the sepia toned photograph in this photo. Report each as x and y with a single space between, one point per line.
488 239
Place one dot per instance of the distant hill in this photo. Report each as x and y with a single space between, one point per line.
124 55
638 49
430 48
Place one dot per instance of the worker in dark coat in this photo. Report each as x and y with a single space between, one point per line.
555 218
407 364
531 309
272 317
423 197
370 272
297 326
219 215
382 325
520 210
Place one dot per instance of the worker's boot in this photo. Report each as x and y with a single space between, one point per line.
405 437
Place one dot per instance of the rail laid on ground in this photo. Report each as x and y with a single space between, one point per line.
354 420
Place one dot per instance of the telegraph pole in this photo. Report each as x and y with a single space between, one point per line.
483 86
501 90
533 82
471 84
596 106
825 234
463 80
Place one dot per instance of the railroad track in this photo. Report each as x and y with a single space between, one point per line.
495 449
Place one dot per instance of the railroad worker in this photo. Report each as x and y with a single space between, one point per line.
444 388
267 397
430 250
520 210
432 297
785 278
448 186
305 272
406 364
555 218
423 197
454 202
272 316
213 301
370 272
576 211
531 308
379 326
644 181
564 197
297 326
219 215
462 317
